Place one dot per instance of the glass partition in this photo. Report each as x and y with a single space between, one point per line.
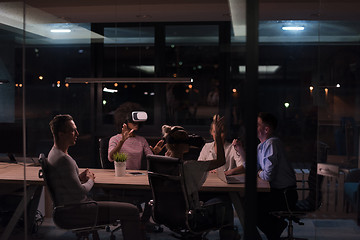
308 76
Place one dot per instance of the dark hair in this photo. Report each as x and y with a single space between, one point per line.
268 119
123 114
58 124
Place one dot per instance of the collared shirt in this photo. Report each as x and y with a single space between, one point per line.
233 158
274 165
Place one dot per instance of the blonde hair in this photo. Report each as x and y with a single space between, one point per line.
174 135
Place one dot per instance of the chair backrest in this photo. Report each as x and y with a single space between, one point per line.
44 173
314 199
103 152
168 191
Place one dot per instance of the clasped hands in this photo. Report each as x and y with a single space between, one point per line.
86 175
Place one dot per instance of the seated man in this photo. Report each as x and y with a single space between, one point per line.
277 170
71 187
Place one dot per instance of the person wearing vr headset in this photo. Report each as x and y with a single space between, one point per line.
128 119
234 153
195 172
127 141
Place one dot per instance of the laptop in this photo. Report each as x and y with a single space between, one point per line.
239 178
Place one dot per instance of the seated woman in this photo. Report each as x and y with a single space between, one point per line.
234 153
195 172
135 147
127 141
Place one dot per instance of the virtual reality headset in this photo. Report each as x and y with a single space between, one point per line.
138 116
193 140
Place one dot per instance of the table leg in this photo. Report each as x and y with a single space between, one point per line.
237 203
19 211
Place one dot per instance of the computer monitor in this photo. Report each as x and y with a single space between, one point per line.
11 138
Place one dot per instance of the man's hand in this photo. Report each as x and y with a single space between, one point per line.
86 175
83 176
90 175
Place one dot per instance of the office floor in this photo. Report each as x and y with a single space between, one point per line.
313 229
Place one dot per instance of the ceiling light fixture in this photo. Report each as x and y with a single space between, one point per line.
129 80
292 28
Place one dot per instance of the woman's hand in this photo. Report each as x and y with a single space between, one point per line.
237 145
158 147
126 132
219 126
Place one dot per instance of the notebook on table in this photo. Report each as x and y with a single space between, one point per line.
239 178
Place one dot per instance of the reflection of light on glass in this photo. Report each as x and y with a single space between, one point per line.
174 75
16 85
60 30
292 28
234 90
190 86
326 91
109 90
41 77
20 85
311 89
263 69
146 93
152 94
338 85
125 86
287 105
116 84
191 80
67 85
187 90
58 82
104 102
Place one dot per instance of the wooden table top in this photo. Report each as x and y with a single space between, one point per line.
105 178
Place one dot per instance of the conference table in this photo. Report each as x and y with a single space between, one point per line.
14 174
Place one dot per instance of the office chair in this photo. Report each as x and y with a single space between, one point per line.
314 199
171 204
103 152
122 195
65 216
352 191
